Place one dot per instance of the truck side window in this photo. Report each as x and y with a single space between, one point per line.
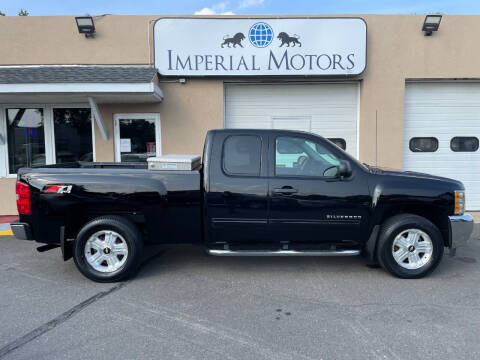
302 157
241 155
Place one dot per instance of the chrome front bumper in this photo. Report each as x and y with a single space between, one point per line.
461 228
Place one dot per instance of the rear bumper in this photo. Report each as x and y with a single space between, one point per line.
461 228
21 230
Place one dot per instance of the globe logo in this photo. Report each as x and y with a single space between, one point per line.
260 35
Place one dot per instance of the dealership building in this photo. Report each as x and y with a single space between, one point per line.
124 88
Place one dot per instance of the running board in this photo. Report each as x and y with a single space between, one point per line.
218 252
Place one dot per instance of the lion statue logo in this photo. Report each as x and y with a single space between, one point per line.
287 39
235 40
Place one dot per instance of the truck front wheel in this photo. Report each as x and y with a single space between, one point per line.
409 246
108 249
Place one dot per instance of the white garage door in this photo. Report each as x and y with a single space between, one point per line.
447 113
330 110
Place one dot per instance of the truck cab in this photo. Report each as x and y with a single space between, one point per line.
281 187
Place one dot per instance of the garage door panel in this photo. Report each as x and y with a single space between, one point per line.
464 131
329 110
442 91
252 110
444 111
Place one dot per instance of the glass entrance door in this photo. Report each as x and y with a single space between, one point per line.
137 137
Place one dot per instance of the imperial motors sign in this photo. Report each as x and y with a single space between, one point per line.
251 47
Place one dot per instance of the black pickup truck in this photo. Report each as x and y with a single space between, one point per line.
257 193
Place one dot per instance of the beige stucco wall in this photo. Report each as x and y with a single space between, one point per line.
397 50
188 112
7 196
41 40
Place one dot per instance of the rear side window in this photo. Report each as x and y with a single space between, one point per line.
464 144
423 144
241 155
341 143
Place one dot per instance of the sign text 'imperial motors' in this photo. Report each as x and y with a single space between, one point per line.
328 46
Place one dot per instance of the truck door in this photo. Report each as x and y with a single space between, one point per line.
308 202
237 187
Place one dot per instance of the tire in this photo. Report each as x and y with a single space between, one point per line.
399 254
108 249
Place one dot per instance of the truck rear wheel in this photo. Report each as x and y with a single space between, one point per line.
409 246
108 249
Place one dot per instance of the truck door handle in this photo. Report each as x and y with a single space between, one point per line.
285 190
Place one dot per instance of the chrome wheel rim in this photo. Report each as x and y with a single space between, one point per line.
412 249
106 251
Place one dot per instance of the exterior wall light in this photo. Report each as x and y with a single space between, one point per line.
85 25
431 24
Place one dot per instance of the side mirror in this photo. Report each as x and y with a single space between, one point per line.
344 169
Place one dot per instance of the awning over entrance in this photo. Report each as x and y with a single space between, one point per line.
75 84
79 84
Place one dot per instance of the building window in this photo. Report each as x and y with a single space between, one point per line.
137 137
73 134
241 155
464 144
302 157
25 137
341 143
44 134
423 144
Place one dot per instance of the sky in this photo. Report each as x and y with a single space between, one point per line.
240 7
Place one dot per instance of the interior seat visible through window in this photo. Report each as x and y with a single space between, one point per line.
302 157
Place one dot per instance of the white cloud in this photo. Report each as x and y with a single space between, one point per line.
205 11
250 3
217 9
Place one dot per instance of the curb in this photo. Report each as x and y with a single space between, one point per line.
5 229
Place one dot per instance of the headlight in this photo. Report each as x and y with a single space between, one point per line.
459 202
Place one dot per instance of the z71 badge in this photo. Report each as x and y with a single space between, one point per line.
57 189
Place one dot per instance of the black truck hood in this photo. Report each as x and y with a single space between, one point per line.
410 174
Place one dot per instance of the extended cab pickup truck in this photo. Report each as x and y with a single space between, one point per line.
257 193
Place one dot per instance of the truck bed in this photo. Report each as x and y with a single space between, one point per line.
168 203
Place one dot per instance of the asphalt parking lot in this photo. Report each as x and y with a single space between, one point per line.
185 305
